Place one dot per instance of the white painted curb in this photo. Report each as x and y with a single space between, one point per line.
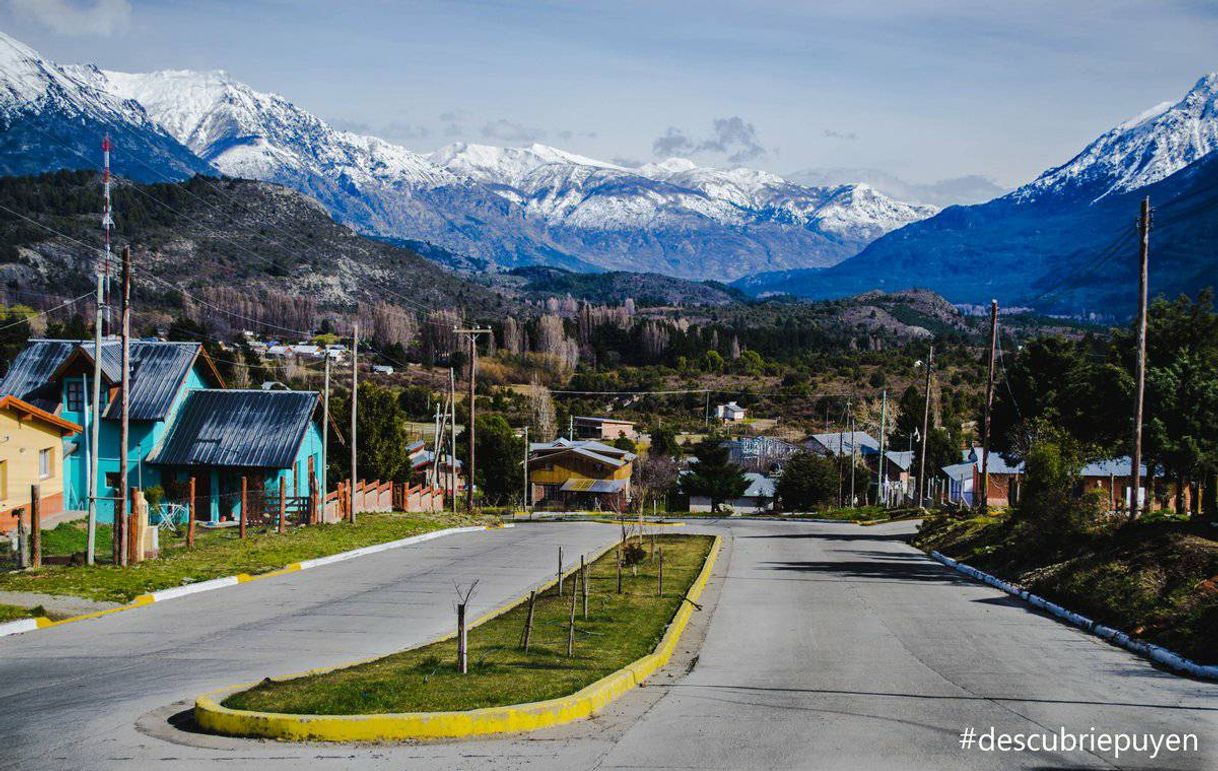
17 627
28 625
379 547
1156 653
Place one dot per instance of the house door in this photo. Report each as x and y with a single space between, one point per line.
200 507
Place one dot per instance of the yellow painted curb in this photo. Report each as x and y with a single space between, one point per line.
215 718
138 602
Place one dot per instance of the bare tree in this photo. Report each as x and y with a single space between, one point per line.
545 419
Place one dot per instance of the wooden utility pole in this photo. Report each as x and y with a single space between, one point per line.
119 541
190 517
325 434
472 333
1135 461
989 401
879 477
452 437
853 458
524 500
35 527
930 365
354 401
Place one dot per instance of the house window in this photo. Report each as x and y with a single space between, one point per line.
112 478
76 396
44 463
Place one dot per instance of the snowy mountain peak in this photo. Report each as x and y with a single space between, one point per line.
1140 151
668 166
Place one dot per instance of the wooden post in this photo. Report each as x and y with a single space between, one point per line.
559 571
35 527
133 530
119 540
190 517
528 621
283 502
462 653
316 501
660 575
583 579
619 569
571 626
243 509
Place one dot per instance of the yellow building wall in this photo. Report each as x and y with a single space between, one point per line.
20 443
566 469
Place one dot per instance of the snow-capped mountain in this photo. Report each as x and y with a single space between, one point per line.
678 217
1049 244
377 186
51 118
1139 152
499 206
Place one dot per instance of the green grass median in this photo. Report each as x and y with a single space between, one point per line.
217 553
620 629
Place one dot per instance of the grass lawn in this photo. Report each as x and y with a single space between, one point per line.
620 629
217 553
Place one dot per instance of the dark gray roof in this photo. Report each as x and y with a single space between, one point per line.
28 377
157 371
257 429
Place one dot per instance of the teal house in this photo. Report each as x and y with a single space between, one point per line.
183 425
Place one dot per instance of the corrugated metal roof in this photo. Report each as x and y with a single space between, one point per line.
28 377
247 428
157 371
842 442
1113 467
594 485
903 459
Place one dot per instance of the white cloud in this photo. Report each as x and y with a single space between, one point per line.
734 137
99 17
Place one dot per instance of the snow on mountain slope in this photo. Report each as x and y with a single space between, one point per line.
376 186
52 118
679 217
1139 152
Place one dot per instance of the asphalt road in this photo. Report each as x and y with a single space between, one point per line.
821 646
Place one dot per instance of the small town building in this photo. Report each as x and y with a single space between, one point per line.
579 474
31 453
224 438
838 444
730 412
608 429
897 476
763 454
756 499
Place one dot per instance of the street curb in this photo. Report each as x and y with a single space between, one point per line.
1156 653
161 595
213 717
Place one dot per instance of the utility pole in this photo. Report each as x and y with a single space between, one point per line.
571 427
930 366
452 436
989 401
354 401
879 477
107 222
472 333
525 468
853 458
1135 461
119 541
325 438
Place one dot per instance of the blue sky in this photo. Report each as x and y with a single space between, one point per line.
921 90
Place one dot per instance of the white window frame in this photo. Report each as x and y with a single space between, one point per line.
46 463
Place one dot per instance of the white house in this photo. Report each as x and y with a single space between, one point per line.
758 498
730 412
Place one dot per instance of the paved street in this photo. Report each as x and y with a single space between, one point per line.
822 646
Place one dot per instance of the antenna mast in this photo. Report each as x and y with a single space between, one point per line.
107 223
